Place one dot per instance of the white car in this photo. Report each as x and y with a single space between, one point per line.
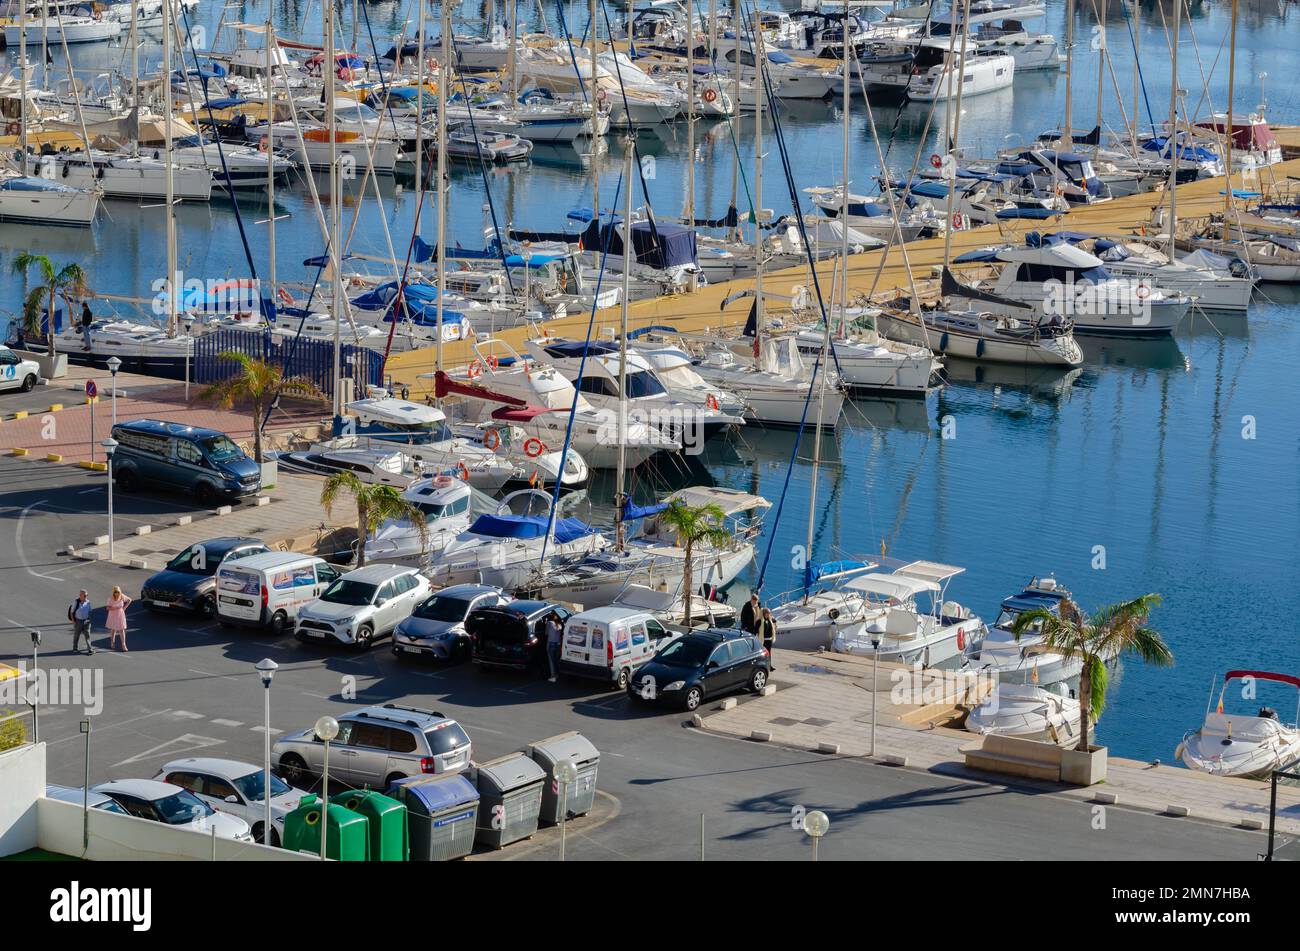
235 788
174 806
363 605
17 373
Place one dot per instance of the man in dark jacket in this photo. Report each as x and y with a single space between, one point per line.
767 631
750 615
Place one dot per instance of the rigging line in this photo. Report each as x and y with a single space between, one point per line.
1137 64
573 408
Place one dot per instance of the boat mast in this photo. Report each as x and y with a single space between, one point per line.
688 212
336 204
953 127
620 491
514 66
1102 53
444 79
1173 131
1137 76
738 26
760 57
22 80
1068 134
1227 159
592 86
270 156
419 113
844 201
135 76
167 157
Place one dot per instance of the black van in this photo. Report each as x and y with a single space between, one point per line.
512 635
203 462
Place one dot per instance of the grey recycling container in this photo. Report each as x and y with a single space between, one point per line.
510 799
441 815
580 794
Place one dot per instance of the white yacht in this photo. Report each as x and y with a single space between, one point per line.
1025 660
870 363
378 460
449 506
1029 713
775 386
39 200
1244 746
675 368
60 28
122 175
789 78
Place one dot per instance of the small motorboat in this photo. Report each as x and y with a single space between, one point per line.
1244 746
1028 712
1025 660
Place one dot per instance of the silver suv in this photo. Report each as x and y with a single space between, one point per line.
363 605
377 746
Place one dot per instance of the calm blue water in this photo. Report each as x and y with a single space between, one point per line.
1142 451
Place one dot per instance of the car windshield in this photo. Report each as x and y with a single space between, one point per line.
182 807
687 652
250 786
442 608
221 448
195 560
344 591
445 739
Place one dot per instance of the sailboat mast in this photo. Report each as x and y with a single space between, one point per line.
419 109
167 157
592 86
1102 53
1173 130
688 211
336 203
444 80
22 80
738 27
844 197
760 57
1068 132
1137 76
620 490
514 42
270 155
1227 157
954 127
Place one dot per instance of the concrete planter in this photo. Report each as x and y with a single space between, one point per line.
270 472
52 368
1083 769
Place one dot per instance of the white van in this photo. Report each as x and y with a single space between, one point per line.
610 643
267 590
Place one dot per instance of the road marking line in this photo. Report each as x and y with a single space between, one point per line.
187 715
261 729
190 742
222 722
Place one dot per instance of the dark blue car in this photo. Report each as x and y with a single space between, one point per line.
702 665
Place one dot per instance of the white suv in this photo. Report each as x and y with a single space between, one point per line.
17 373
363 605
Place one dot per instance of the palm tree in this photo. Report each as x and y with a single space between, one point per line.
66 284
692 524
1113 630
258 382
376 504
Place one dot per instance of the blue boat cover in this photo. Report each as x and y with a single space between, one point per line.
978 256
576 348
654 244
34 184
631 511
1041 214
530 526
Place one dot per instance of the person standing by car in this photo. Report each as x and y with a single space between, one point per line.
751 614
79 615
87 318
116 624
767 631
554 632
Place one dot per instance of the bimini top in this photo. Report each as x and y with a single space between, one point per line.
929 571
889 585
529 526
1262 675
731 501
1057 255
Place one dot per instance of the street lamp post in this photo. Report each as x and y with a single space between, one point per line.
110 446
565 774
875 684
326 729
266 669
114 364
188 324
816 824
85 792
35 692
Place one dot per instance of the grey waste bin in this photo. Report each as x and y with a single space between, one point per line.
441 815
581 794
510 799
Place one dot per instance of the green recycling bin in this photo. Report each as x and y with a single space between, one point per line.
387 821
348 839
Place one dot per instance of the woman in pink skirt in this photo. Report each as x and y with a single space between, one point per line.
116 624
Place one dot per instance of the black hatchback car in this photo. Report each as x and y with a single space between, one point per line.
511 635
701 665
189 582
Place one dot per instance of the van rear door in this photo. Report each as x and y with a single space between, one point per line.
239 593
576 635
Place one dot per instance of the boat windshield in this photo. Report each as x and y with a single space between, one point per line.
642 384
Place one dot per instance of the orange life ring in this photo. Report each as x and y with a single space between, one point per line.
475 370
961 639
533 447
956 222
464 471
493 362
712 402
936 160
491 439
285 296
347 74
710 95
13 128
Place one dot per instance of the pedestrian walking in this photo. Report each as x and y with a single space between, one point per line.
87 318
554 632
767 631
751 614
79 615
116 624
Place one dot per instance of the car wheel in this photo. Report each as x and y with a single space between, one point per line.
392 778
257 835
125 480
365 636
29 381
279 622
205 494
293 770
623 678
208 608
694 697
758 680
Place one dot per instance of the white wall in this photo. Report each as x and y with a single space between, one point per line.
22 783
117 837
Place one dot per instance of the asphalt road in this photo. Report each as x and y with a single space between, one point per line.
189 688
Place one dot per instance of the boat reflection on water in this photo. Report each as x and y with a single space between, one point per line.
1156 353
1047 383
911 416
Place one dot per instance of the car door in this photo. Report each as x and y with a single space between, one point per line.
742 661
387 606
9 375
325 576
717 671
367 754
140 808
219 793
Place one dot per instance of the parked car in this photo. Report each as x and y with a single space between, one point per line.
363 605
436 628
269 589
189 582
610 643
17 373
203 462
77 796
173 806
376 747
701 665
512 635
235 788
